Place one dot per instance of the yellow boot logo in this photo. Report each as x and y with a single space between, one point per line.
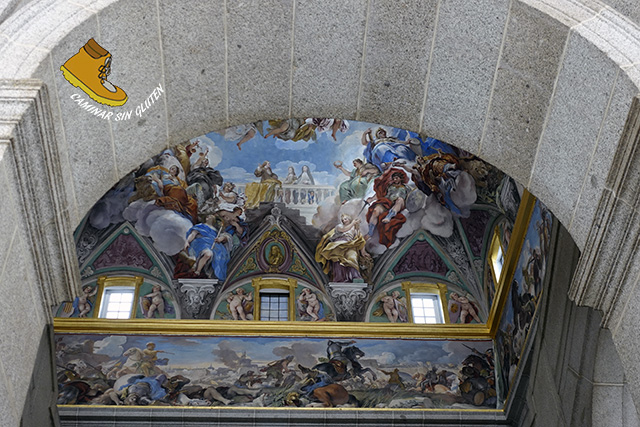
88 70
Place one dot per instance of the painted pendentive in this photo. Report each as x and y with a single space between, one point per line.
153 299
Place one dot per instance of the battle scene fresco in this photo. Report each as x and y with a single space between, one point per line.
274 372
524 297
325 201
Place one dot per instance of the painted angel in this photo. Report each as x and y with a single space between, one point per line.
154 303
240 304
309 306
394 306
462 310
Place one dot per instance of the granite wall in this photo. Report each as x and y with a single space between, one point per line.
541 89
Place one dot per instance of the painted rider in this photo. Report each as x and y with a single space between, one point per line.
336 357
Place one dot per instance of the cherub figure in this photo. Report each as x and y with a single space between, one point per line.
154 301
82 304
394 307
466 307
238 303
310 304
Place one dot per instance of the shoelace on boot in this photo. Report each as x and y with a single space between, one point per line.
104 70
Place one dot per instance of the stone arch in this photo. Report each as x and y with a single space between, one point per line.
555 126
578 52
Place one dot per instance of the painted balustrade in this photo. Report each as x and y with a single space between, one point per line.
299 195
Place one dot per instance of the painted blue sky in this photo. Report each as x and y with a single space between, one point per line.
185 351
238 165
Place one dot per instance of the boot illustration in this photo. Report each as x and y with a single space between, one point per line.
88 70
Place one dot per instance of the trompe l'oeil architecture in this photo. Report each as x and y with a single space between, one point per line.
329 263
326 257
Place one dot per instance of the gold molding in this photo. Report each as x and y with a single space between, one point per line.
511 259
137 408
269 328
104 282
274 283
439 289
287 408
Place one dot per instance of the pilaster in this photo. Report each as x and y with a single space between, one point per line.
27 129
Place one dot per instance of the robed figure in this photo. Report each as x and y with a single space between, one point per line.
340 250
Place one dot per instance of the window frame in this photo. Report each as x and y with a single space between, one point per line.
262 284
495 248
105 284
437 307
107 295
437 289
267 292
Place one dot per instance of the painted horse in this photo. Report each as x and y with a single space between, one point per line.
333 395
338 365
353 353
134 358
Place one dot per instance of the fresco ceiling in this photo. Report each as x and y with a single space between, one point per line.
325 201
347 221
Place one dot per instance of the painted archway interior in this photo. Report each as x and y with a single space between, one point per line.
572 106
349 222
